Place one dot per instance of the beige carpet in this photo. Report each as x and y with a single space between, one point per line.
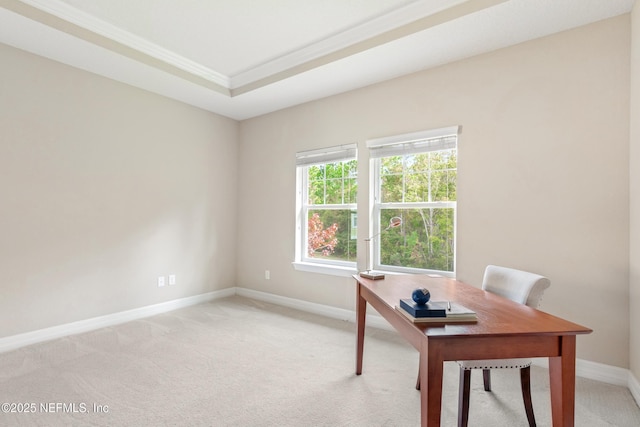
238 362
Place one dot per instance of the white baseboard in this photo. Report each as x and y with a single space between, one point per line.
634 388
601 372
324 310
309 307
41 335
594 371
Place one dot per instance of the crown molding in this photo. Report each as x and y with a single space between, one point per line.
402 22
69 14
339 41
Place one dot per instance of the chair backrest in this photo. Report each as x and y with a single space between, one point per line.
519 286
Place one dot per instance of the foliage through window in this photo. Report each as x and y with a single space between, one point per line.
416 181
328 189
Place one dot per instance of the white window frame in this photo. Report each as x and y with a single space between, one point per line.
417 142
305 159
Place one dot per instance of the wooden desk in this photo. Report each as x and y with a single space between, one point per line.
505 329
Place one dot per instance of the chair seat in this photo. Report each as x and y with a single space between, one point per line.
495 364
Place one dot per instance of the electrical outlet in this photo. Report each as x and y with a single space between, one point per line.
172 279
161 281
267 274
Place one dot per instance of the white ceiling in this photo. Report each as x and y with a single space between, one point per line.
244 58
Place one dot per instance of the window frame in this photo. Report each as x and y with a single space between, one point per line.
304 160
412 143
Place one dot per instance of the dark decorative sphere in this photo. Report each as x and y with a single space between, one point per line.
421 296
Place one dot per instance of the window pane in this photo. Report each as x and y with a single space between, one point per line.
351 169
443 175
316 173
392 190
416 163
416 178
332 234
334 191
443 185
391 165
316 192
424 240
351 190
333 183
417 187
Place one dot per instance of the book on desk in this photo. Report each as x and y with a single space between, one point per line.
430 309
436 312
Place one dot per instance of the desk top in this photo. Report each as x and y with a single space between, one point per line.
496 315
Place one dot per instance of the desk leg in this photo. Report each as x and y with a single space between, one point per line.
361 315
431 372
562 379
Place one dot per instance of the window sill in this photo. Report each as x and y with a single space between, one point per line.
332 270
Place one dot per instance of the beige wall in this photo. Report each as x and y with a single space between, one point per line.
543 173
635 193
105 187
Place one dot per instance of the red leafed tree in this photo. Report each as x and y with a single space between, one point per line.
321 239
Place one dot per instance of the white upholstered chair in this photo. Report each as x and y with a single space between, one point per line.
519 286
524 288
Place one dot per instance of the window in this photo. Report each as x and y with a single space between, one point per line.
327 215
414 178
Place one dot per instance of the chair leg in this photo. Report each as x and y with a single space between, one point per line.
525 382
486 377
463 397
